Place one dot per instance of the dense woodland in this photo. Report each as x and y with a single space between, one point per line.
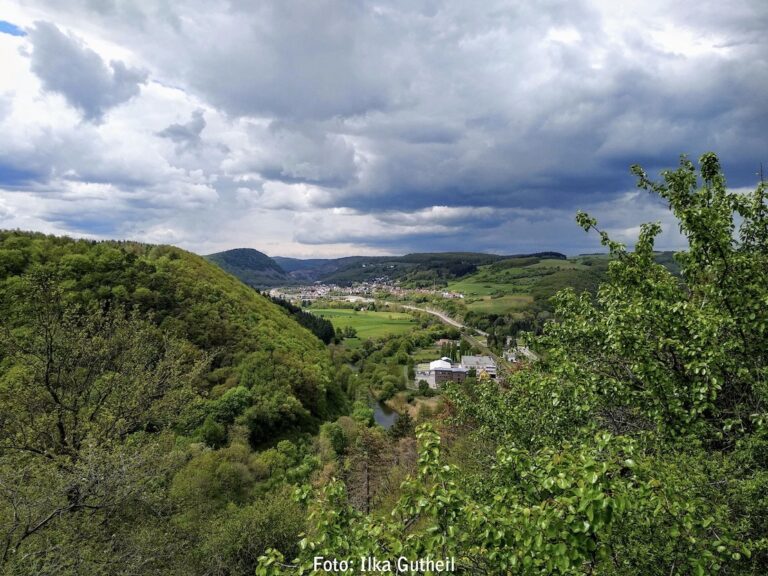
157 416
152 407
320 327
252 267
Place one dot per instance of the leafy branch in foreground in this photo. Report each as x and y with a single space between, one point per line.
636 446
83 388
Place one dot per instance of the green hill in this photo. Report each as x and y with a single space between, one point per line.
527 282
524 283
315 269
414 270
151 405
251 342
513 294
252 267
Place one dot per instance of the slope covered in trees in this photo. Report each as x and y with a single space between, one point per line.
320 327
149 403
252 267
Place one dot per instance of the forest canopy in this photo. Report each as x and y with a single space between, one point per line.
123 367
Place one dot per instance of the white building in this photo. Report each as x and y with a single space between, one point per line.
439 371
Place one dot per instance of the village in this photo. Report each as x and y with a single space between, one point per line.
437 372
358 291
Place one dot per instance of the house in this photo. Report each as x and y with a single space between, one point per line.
439 371
481 364
451 295
520 353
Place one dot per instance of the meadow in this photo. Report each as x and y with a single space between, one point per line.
512 285
368 324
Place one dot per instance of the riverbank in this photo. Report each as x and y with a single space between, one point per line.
399 403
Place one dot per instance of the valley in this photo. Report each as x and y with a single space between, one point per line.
431 288
227 417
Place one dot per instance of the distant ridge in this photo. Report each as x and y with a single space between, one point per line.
416 269
315 269
251 266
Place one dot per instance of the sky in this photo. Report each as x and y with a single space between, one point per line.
325 128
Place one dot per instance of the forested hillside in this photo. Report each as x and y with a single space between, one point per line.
415 270
252 267
150 403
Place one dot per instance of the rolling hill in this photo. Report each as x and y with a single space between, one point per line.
524 283
185 294
150 399
252 267
521 287
317 269
418 269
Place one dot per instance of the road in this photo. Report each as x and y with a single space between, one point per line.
500 362
445 318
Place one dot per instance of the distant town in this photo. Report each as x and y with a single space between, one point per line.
357 291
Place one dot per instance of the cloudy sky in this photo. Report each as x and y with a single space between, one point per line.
325 128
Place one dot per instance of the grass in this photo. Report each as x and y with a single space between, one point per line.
488 282
423 355
501 292
501 305
353 343
511 288
399 404
368 324
474 286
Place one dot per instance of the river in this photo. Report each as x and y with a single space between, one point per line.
382 414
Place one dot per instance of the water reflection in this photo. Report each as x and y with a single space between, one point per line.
382 414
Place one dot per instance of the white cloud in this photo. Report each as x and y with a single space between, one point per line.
320 127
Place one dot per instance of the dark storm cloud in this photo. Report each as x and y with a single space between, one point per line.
300 152
66 65
390 110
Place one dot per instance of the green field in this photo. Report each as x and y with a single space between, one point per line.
510 286
426 354
502 304
368 324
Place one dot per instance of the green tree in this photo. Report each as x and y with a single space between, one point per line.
403 426
213 433
80 390
365 468
334 434
635 446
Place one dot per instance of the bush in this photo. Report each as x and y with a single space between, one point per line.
213 433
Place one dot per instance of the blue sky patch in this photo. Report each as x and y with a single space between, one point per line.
11 176
12 29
